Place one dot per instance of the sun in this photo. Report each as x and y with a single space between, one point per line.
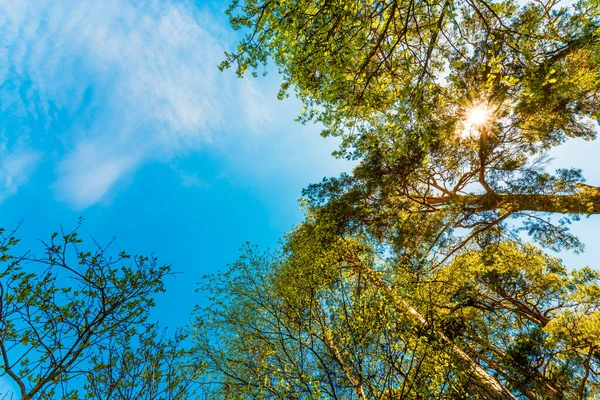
478 116
476 119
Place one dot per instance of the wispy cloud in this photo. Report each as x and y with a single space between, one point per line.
113 85
191 179
16 165
148 69
89 171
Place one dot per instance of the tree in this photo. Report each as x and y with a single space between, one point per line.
341 321
449 108
267 338
73 324
371 72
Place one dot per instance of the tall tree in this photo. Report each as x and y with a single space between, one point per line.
439 98
449 108
267 337
338 319
73 324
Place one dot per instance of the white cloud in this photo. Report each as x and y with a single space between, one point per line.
135 82
89 172
152 69
15 168
257 106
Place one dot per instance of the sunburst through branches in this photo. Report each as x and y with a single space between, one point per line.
477 119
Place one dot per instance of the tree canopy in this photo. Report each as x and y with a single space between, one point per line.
74 324
344 322
409 277
398 80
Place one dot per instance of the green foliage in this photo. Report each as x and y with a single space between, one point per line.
397 80
368 67
69 321
271 335
344 319
407 278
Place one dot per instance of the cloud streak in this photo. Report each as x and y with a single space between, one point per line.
137 79
108 87
15 168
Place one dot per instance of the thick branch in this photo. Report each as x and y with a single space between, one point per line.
584 202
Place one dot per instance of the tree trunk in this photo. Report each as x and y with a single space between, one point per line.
481 384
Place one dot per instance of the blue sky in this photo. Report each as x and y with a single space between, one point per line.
115 111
